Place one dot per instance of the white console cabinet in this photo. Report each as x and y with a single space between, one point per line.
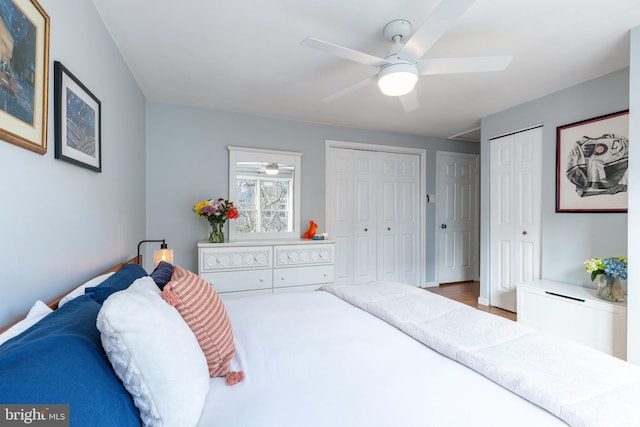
242 268
576 313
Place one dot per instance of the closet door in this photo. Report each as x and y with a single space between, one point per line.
515 226
398 247
351 214
366 212
373 214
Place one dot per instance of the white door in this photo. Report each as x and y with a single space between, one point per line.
515 210
373 214
351 214
398 247
457 207
365 208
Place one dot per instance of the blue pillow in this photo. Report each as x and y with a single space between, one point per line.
117 282
162 274
60 360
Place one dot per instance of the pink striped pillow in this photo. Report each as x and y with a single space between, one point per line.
203 310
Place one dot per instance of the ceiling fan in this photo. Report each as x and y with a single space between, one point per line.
398 72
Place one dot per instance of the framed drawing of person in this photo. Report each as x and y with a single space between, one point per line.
592 162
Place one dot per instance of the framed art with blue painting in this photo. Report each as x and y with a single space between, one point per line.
77 121
24 74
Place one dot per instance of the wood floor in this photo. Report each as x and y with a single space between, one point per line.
468 293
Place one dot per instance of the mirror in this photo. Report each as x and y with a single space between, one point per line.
264 185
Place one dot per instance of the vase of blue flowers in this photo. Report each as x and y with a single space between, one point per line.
609 272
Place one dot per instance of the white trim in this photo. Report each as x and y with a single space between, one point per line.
264 151
513 132
430 285
483 301
422 154
457 135
375 147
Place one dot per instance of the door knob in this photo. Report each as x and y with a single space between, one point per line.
443 226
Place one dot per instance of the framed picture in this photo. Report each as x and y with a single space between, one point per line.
592 161
77 121
24 74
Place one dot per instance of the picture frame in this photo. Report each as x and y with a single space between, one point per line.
592 162
24 74
78 121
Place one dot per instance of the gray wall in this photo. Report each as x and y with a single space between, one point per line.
568 239
187 161
633 296
60 223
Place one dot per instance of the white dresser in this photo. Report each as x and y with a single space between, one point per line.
243 268
576 313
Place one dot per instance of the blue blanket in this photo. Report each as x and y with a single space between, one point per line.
60 360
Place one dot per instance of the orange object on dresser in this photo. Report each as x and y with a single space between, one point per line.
313 227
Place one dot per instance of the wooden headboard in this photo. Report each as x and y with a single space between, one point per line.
54 303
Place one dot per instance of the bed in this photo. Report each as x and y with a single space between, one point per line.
381 354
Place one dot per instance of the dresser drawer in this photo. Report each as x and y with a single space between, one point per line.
231 281
296 276
292 255
220 259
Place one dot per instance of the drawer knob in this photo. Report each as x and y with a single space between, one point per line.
261 279
281 277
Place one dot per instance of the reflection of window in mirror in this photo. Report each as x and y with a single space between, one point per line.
265 188
263 198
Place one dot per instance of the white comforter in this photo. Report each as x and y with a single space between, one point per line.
582 386
311 359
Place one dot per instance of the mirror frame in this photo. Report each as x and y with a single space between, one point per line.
247 154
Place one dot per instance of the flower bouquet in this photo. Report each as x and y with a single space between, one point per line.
216 212
610 271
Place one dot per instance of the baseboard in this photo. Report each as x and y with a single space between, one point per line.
429 285
483 301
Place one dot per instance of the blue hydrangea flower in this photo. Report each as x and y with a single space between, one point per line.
615 268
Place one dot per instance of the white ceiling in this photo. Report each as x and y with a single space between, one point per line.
246 56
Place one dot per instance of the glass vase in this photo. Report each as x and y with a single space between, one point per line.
216 235
609 288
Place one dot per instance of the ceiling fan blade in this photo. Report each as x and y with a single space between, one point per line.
410 101
463 65
352 88
344 52
442 18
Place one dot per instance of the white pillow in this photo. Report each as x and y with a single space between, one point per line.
36 313
155 355
80 289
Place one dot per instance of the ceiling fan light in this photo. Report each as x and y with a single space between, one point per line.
397 79
272 169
